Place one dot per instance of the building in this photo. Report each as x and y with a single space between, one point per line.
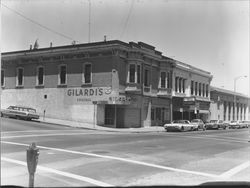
109 83
228 105
191 94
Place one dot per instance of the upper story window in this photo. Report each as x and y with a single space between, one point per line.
169 84
183 85
206 90
203 90
192 87
196 88
146 78
131 73
87 73
180 83
163 80
2 78
19 78
138 74
199 89
62 74
40 76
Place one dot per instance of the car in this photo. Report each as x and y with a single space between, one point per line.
247 123
20 112
216 124
198 124
234 124
179 125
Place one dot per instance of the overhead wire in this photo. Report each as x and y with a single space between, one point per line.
36 23
127 19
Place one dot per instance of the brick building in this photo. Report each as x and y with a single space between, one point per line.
110 83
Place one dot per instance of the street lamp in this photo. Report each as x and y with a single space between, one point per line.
235 110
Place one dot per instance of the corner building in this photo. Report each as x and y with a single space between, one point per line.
109 83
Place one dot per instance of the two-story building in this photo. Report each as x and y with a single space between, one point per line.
191 94
110 83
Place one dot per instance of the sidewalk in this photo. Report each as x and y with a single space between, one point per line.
100 128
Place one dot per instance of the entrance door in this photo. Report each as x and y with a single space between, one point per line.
109 114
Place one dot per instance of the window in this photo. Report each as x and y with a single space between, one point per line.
163 80
207 90
176 84
20 76
203 90
146 78
87 73
132 73
138 74
180 81
199 89
183 85
2 78
62 74
192 87
40 76
158 114
168 80
196 88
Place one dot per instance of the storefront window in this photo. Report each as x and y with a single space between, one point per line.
158 113
152 114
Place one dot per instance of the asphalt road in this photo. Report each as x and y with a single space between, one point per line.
78 157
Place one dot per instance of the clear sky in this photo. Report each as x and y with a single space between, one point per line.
212 35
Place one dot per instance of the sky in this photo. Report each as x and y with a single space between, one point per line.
212 35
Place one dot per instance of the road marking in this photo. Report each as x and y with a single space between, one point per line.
43 130
235 170
121 159
62 173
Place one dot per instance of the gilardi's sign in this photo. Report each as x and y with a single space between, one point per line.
87 95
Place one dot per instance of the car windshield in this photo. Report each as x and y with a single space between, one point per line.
213 121
181 121
195 121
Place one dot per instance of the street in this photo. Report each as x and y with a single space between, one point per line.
81 157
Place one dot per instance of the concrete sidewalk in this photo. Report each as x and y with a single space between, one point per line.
100 128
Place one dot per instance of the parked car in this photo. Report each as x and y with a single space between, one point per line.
198 124
20 112
247 123
179 125
216 124
234 124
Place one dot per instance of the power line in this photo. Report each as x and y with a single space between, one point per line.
36 23
129 13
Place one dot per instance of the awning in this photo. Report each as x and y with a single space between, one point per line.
204 112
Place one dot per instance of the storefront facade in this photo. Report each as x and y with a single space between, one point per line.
110 83
191 94
227 105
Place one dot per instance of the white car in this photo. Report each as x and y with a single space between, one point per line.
20 112
198 124
179 125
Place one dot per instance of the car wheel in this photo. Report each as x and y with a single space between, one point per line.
182 128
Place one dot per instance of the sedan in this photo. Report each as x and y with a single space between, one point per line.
216 124
198 124
179 125
20 112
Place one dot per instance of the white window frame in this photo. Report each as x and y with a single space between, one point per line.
37 75
3 70
166 80
59 72
83 73
17 81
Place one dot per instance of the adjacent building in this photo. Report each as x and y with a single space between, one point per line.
228 105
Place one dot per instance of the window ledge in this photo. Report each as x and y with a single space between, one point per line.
62 85
86 84
19 87
39 86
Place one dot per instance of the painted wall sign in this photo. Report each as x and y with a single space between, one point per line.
121 99
87 95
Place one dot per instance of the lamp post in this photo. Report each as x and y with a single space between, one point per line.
235 110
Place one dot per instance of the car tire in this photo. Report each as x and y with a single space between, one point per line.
182 129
